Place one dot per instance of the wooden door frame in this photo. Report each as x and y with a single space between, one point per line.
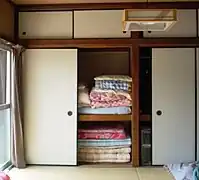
134 62
134 45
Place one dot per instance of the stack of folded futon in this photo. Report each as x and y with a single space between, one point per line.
103 144
110 95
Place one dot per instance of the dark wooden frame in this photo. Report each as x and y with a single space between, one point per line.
101 6
134 43
108 43
134 61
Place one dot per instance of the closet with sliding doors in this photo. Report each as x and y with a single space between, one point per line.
167 93
107 100
96 124
78 101
168 96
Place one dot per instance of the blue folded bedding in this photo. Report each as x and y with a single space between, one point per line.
104 142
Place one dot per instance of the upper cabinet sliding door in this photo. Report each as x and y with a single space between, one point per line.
173 105
50 93
99 24
186 26
42 25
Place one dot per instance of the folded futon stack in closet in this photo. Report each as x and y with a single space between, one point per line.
110 95
103 144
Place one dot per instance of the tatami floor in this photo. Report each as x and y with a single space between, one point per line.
88 173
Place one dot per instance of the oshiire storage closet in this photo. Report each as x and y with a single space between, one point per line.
56 60
115 61
59 103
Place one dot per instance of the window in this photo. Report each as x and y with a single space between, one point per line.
5 117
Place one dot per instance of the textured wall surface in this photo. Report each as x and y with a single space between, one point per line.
6 20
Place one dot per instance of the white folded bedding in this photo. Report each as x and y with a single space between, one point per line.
111 110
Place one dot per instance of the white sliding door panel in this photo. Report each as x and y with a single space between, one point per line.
45 25
184 27
50 91
99 24
173 93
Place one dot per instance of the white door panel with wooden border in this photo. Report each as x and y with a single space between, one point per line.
173 105
50 92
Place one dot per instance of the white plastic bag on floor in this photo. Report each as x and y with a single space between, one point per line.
181 171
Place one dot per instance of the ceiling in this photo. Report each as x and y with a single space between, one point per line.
90 1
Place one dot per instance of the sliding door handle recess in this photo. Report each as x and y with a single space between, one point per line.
70 113
159 113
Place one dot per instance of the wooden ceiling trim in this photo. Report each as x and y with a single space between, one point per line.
74 43
80 6
168 42
108 6
108 43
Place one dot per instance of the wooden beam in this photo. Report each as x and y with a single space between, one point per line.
108 6
173 5
108 43
168 42
108 117
74 43
136 109
79 6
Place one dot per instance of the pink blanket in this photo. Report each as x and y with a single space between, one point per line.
106 104
102 132
102 129
95 135
109 98
109 95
